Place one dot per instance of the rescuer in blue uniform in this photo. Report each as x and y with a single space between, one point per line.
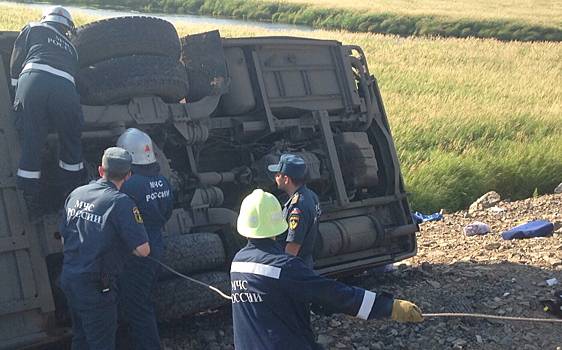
100 227
153 195
302 210
271 290
43 66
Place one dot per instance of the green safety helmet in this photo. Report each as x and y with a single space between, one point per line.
261 216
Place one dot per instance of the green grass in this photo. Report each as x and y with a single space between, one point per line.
542 12
467 115
438 19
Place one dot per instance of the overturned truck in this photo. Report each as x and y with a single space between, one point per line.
219 111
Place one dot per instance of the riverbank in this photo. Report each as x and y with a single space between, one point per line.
343 19
91 11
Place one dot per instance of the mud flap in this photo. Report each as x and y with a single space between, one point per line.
203 56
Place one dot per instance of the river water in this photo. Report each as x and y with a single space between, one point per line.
184 19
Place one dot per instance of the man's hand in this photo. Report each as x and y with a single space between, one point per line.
142 250
405 311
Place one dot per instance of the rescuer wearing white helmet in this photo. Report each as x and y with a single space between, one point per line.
43 67
153 195
271 290
60 15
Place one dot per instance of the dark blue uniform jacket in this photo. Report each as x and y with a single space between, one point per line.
153 195
302 212
271 292
101 227
43 44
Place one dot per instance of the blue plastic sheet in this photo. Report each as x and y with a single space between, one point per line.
538 228
419 217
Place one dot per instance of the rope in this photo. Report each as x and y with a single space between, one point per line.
214 289
446 314
494 317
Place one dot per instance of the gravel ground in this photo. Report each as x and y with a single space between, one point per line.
451 273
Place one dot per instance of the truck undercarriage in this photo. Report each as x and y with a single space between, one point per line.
249 100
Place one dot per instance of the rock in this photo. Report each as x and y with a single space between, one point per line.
488 200
496 210
425 266
335 323
506 341
479 339
324 340
434 284
492 246
558 189
460 342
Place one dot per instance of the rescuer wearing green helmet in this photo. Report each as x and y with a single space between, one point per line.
271 290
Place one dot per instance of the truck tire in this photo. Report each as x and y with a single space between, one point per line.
233 242
125 36
178 297
193 252
119 79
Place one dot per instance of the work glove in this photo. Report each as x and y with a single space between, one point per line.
405 311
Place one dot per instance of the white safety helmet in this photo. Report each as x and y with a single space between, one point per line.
139 145
58 14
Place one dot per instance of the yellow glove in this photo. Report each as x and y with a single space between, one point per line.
405 311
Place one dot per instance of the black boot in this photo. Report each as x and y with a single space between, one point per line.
31 195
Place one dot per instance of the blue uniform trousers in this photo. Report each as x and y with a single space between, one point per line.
94 314
136 284
42 100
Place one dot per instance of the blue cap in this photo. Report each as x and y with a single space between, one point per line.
290 165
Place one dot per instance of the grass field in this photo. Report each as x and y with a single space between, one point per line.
532 11
468 115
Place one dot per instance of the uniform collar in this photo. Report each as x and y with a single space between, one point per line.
146 170
265 244
105 182
297 192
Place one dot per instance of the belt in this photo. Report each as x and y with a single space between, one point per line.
48 69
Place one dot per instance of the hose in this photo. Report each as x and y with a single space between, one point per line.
494 317
214 289
429 315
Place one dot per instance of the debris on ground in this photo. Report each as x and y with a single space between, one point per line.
476 228
488 200
419 217
552 282
558 189
452 272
